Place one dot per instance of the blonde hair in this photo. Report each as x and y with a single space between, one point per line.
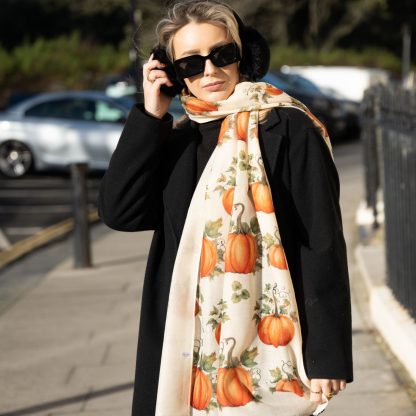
184 12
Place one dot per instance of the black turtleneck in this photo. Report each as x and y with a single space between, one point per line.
208 140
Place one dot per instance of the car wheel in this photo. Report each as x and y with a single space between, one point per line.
15 159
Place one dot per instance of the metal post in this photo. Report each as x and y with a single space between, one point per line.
82 248
135 21
406 50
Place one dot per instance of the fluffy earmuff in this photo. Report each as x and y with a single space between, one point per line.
255 59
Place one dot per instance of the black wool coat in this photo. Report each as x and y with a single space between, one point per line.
149 185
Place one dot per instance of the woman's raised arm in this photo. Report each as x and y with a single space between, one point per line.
130 196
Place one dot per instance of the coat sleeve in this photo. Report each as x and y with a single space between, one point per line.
130 194
315 189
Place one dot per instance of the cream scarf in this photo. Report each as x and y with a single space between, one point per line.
232 342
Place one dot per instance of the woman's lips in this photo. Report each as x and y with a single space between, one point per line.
214 86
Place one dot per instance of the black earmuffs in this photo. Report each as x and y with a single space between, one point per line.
253 66
255 59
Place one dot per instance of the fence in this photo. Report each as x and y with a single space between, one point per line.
389 144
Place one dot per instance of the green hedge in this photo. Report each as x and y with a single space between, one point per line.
68 61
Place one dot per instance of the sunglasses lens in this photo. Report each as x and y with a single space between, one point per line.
190 66
225 55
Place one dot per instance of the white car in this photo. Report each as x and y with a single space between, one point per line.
52 130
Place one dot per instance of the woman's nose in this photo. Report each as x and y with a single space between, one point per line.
210 68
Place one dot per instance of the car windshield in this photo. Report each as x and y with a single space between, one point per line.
126 101
299 83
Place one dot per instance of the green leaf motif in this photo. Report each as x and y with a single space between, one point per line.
208 361
195 357
247 357
214 311
235 298
245 227
243 166
212 228
257 397
236 285
219 188
222 178
276 373
268 240
224 317
254 224
245 294
213 322
242 155
217 271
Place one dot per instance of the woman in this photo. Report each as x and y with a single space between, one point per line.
246 303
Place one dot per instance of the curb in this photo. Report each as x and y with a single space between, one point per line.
41 238
389 317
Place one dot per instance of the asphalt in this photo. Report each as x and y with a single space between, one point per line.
68 342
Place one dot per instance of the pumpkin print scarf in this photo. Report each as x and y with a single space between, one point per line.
232 342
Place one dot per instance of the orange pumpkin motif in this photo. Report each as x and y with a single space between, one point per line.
260 190
234 387
195 105
291 386
240 250
209 257
224 127
218 333
262 197
276 256
242 125
227 200
276 330
273 91
240 253
201 389
234 384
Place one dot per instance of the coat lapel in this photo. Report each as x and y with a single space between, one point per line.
270 137
182 181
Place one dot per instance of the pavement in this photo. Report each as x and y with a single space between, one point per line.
68 344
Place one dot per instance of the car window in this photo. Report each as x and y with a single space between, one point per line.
107 112
71 108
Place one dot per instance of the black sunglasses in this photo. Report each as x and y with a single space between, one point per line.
195 64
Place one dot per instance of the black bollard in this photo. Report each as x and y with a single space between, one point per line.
82 248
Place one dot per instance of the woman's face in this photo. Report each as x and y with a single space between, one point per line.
200 39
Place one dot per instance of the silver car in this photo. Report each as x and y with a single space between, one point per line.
52 130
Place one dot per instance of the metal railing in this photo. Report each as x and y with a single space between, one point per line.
389 145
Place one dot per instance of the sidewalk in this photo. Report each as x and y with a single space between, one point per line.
68 347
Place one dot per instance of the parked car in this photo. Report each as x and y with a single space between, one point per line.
123 86
339 121
52 130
